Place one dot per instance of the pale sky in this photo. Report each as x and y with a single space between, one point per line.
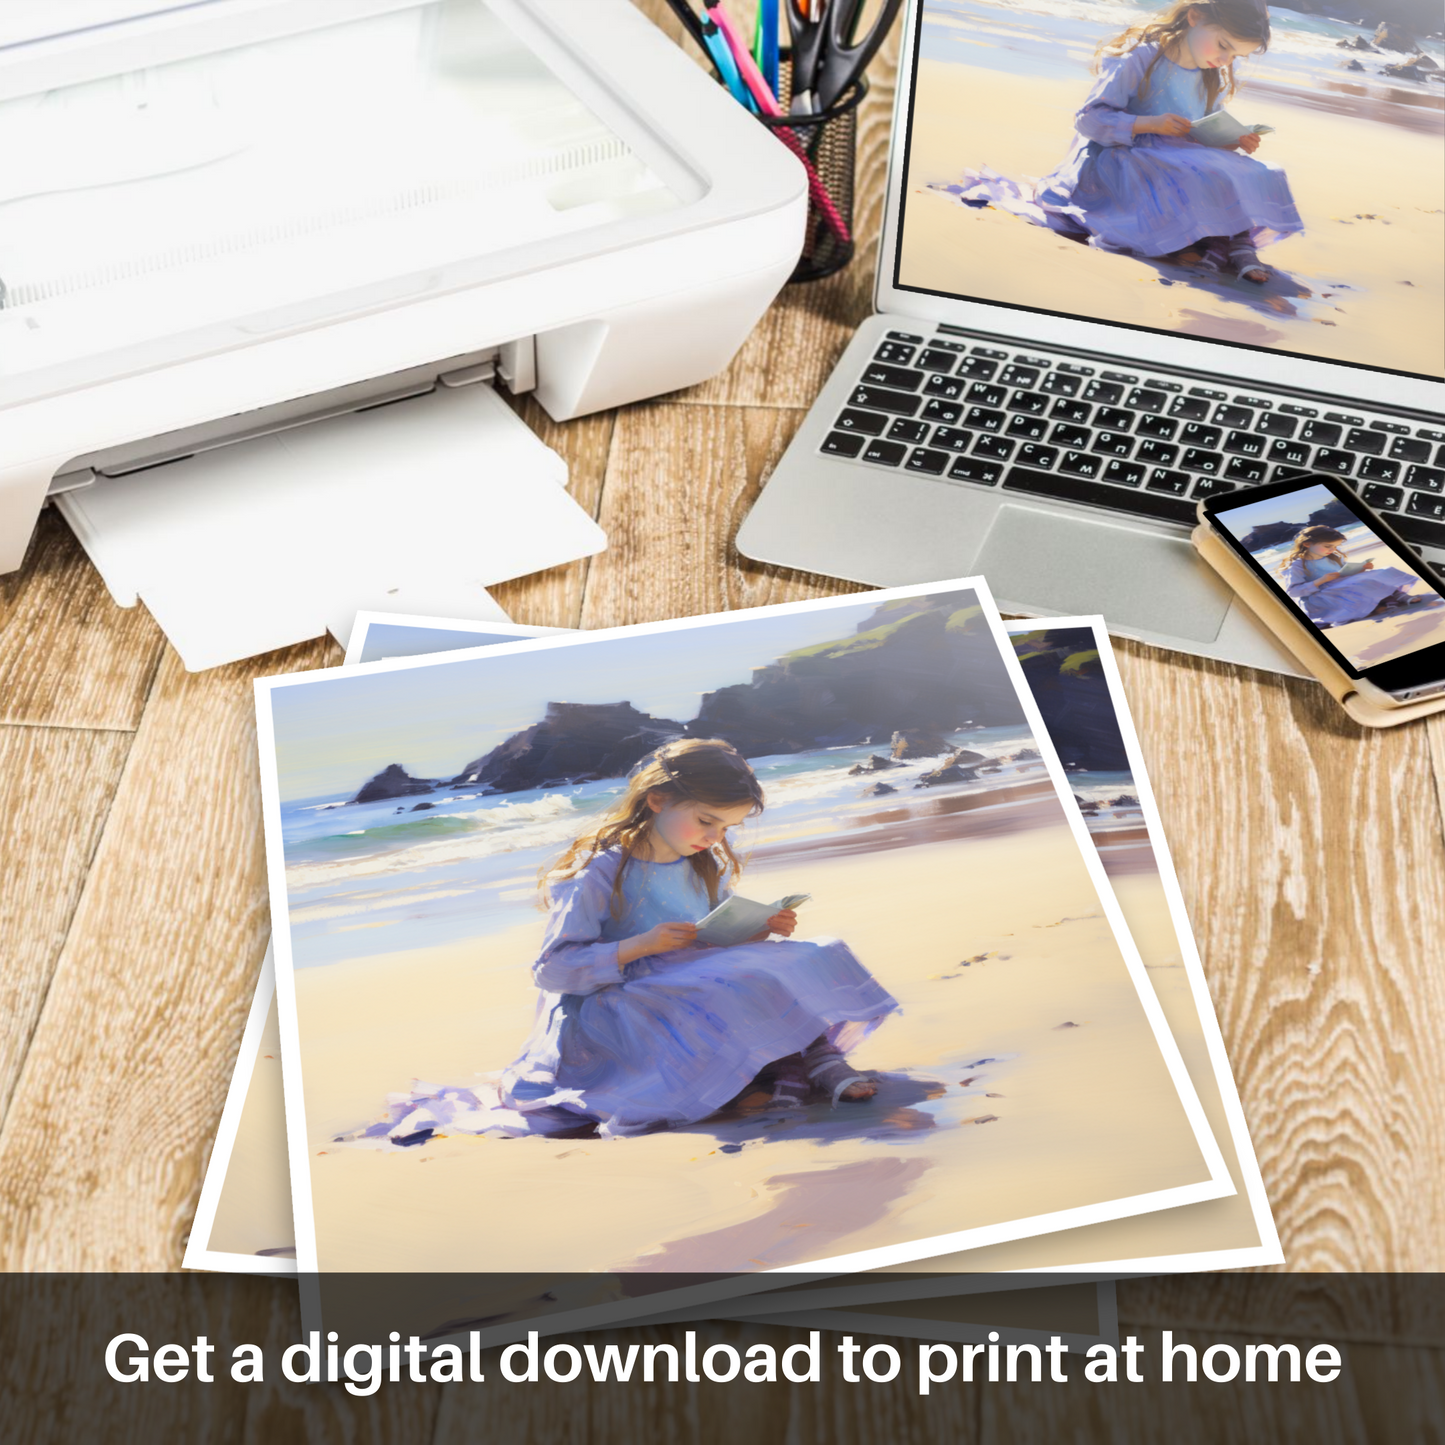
337 730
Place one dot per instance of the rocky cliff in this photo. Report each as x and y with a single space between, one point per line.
1271 534
1067 680
392 782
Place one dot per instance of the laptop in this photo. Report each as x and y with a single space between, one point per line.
1048 413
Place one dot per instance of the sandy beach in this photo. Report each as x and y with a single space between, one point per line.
1009 962
1364 282
1374 640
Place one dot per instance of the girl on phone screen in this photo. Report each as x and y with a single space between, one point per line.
1314 575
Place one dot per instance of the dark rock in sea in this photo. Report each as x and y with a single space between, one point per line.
1124 800
875 764
877 790
1391 36
1405 71
393 782
420 807
1089 810
1023 755
914 744
574 741
1355 42
953 770
1269 534
990 770
1351 65
915 664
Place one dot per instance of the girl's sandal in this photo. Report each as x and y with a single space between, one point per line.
1248 266
790 1091
835 1075
1212 257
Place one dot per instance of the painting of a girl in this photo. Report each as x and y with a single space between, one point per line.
640 1026
1314 574
1135 179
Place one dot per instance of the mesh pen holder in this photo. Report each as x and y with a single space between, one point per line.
827 145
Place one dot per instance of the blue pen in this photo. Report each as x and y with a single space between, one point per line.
727 67
768 31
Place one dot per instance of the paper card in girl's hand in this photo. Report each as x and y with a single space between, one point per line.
737 919
784 1104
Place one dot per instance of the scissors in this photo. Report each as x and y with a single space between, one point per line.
827 54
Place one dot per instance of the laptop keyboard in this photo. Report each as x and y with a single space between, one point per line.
1142 444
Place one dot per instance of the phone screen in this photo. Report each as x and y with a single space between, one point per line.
1363 594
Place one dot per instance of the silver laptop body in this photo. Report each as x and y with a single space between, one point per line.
1057 555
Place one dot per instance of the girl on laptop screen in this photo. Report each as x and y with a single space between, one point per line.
1137 178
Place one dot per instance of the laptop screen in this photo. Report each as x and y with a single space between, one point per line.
1265 179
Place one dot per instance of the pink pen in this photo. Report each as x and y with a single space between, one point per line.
768 104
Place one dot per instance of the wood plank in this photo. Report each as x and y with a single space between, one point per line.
679 482
114 1111
69 656
56 786
554 598
1311 859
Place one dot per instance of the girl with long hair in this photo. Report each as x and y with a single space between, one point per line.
1135 179
639 1026
1313 574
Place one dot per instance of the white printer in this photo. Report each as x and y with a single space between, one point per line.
234 232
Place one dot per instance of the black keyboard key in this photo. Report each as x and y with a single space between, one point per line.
905 336
1070 436
1290 474
1272 424
982 394
1189 408
1245 444
1015 375
1199 460
1107 392
1076 370
1113 418
1035 403
877 374
981 419
1156 454
1163 480
1112 444
1245 469
1394 427
955 439
1377 469
895 353
936 409
994 447
1162 385
1099 494
1371 443
1126 377
948 387
976 368
1291 454
1037 361
957 347
1407 449
1422 504
1059 383
932 359
1321 433
1344 418
989 351
886 454
1077 411
1031 428
906 430
1427 479
933 463
1429 434
1331 459
1381 498
1258 401
1418 530
1081 464
878 398
1440 457
867 422
1042 457
1294 410
973 469
1211 487
1233 416
1142 398
1156 426
843 444
1195 435
1124 474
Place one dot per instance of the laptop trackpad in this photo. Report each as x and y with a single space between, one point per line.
1074 565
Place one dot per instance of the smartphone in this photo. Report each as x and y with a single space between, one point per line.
1370 602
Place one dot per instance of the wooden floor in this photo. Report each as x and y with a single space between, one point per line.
133 907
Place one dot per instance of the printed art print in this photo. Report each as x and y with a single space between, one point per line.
437 1017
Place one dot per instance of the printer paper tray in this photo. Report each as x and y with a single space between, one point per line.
417 506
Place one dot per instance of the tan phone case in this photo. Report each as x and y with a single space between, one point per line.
1298 639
